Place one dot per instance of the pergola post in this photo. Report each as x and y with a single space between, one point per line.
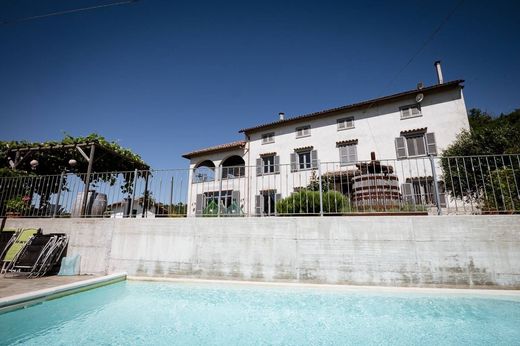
87 180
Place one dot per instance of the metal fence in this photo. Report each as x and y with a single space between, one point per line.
424 185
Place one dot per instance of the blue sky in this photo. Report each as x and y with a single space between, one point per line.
167 77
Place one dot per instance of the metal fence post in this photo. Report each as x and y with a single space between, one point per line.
320 187
60 186
435 185
171 208
134 187
219 171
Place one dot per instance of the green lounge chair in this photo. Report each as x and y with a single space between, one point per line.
23 237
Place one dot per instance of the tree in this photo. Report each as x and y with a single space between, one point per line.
483 164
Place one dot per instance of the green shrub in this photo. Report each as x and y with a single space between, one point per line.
308 202
501 190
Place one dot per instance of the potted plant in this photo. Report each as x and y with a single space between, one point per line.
16 206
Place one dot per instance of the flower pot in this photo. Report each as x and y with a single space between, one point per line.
13 214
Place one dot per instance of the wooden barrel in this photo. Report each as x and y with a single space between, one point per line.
78 203
376 191
99 205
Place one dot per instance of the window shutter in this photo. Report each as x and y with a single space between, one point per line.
259 167
343 158
400 147
277 197
314 159
294 162
341 124
442 194
235 197
277 164
258 209
199 204
352 154
407 191
430 143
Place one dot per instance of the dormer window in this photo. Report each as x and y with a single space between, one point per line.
268 138
303 131
345 123
411 111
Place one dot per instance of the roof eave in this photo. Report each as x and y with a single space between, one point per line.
203 152
353 106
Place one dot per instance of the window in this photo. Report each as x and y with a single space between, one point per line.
421 191
416 144
411 111
268 164
233 172
215 202
213 197
268 138
233 167
265 202
303 131
304 159
346 123
348 154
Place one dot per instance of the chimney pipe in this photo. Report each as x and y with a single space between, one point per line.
437 65
282 115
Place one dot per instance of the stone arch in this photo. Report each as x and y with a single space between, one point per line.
204 171
233 166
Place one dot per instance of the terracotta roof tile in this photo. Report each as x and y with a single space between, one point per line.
419 130
346 142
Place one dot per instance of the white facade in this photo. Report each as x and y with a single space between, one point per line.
371 126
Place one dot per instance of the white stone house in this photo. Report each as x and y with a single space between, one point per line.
277 158
141 209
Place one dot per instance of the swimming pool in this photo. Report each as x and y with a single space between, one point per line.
133 312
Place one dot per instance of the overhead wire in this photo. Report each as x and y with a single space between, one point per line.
412 58
60 13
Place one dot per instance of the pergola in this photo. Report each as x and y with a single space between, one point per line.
95 149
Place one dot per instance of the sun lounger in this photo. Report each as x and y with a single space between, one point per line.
7 237
41 255
17 245
32 253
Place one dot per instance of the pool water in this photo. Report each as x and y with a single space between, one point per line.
129 313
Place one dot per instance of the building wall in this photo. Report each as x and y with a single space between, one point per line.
375 128
214 185
461 251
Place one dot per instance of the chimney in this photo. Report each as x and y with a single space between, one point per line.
437 65
420 85
282 115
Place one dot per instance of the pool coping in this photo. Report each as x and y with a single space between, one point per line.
346 288
23 300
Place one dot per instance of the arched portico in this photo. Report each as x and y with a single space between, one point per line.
204 171
233 167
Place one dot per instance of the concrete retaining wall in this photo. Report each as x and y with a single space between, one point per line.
465 251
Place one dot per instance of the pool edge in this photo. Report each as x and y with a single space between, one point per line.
332 287
23 300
